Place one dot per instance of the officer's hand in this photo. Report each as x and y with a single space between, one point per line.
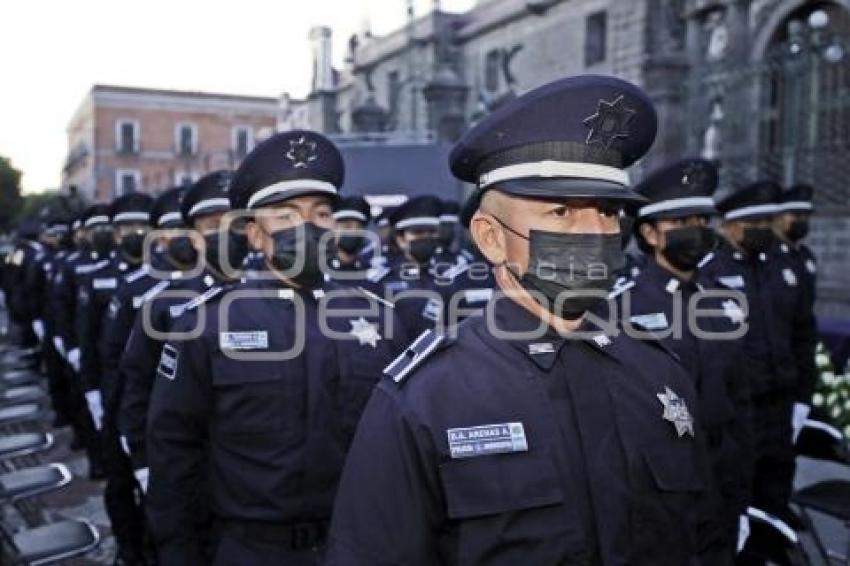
798 419
59 344
73 358
95 403
142 477
743 531
38 328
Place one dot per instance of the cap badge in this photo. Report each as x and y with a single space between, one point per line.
694 176
365 332
301 152
609 123
676 412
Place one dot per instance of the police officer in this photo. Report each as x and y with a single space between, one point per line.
777 340
351 220
93 239
255 406
206 255
388 250
672 231
27 249
409 281
791 226
130 217
534 437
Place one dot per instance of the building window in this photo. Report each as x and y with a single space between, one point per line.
127 136
243 141
186 139
127 181
183 178
492 70
595 38
393 92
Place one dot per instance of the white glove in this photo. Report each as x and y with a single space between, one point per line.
59 344
73 358
142 477
798 419
38 328
95 403
743 531
125 445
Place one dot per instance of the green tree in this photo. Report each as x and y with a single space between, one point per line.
10 193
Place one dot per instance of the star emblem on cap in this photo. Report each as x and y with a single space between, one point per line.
694 176
365 332
301 152
676 412
609 123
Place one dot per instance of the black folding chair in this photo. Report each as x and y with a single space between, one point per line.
51 543
821 441
23 489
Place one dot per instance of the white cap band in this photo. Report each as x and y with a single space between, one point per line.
131 217
350 215
449 218
755 210
417 221
554 169
291 186
802 205
101 219
169 217
675 204
207 204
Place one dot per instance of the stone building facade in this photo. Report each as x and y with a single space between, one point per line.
760 86
131 139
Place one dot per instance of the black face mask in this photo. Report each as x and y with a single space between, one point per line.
182 252
757 240
299 245
236 248
799 229
102 241
422 249
350 244
571 263
132 245
686 246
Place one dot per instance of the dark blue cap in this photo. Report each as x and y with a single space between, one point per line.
353 208
756 200
96 214
208 195
133 207
285 166
450 212
383 218
679 190
166 209
571 138
418 212
796 199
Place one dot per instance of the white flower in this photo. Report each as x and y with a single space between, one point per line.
817 400
821 360
828 377
831 398
835 412
847 431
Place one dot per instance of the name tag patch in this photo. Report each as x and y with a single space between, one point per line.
790 277
654 321
104 283
168 362
732 281
484 440
251 340
478 295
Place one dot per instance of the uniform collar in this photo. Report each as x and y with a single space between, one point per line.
666 280
542 344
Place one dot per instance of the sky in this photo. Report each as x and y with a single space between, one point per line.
53 51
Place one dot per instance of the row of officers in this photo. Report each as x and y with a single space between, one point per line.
261 379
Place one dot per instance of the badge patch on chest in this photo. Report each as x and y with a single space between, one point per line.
485 440
811 267
732 281
653 321
733 310
251 340
167 367
676 412
104 283
365 332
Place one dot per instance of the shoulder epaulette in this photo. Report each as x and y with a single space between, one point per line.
622 285
706 260
91 267
377 273
455 270
136 275
73 256
414 355
178 310
150 293
370 295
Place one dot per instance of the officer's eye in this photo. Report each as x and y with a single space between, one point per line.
609 212
561 211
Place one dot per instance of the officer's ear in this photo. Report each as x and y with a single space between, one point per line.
254 234
487 235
